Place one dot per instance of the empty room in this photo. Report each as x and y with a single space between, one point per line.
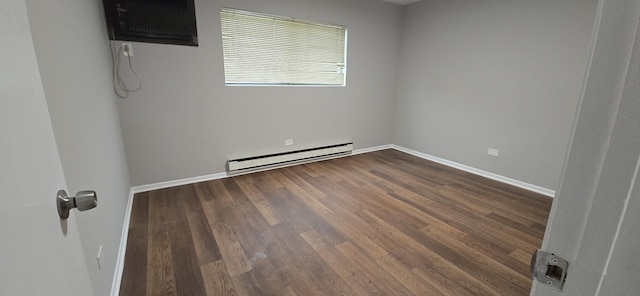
319 147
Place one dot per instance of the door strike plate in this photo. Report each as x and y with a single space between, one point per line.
549 269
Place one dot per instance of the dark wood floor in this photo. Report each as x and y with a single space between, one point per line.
381 223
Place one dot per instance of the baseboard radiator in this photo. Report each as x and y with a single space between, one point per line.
277 159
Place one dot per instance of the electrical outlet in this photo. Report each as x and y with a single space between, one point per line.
288 142
100 257
127 49
493 152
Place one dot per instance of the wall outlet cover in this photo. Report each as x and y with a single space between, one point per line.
493 152
288 142
127 49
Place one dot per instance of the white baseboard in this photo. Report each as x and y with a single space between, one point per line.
372 149
179 182
466 168
117 274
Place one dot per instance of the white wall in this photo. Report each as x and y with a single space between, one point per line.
72 51
184 122
498 73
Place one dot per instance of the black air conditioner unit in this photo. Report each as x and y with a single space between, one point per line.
156 21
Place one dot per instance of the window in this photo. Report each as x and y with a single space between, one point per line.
262 49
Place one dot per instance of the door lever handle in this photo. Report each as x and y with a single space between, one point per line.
84 200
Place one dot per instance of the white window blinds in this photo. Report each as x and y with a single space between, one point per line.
271 50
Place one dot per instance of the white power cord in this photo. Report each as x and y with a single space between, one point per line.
118 85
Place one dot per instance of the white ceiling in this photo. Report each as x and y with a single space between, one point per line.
401 2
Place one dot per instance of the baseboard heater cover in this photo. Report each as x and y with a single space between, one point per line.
256 162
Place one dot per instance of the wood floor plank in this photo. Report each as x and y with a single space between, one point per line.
372 269
255 237
246 284
379 223
470 211
359 282
186 269
443 205
352 216
299 214
402 206
216 279
205 245
218 211
288 291
297 275
496 251
343 227
475 183
230 249
531 231
448 286
221 196
203 192
465 221
296 174
134 274
522 256
258 200
325 278
140 210
525 214
405 276
501 274
160 272
179 232
432 258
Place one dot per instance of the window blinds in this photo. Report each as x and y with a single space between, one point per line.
270 50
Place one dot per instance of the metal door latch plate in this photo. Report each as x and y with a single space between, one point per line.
549 269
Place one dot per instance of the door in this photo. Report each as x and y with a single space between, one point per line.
594 221
39 253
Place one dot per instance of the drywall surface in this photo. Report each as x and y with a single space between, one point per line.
73 56
185 122
493 74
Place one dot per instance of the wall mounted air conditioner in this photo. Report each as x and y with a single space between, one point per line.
156 21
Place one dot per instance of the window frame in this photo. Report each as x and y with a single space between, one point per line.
341 67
